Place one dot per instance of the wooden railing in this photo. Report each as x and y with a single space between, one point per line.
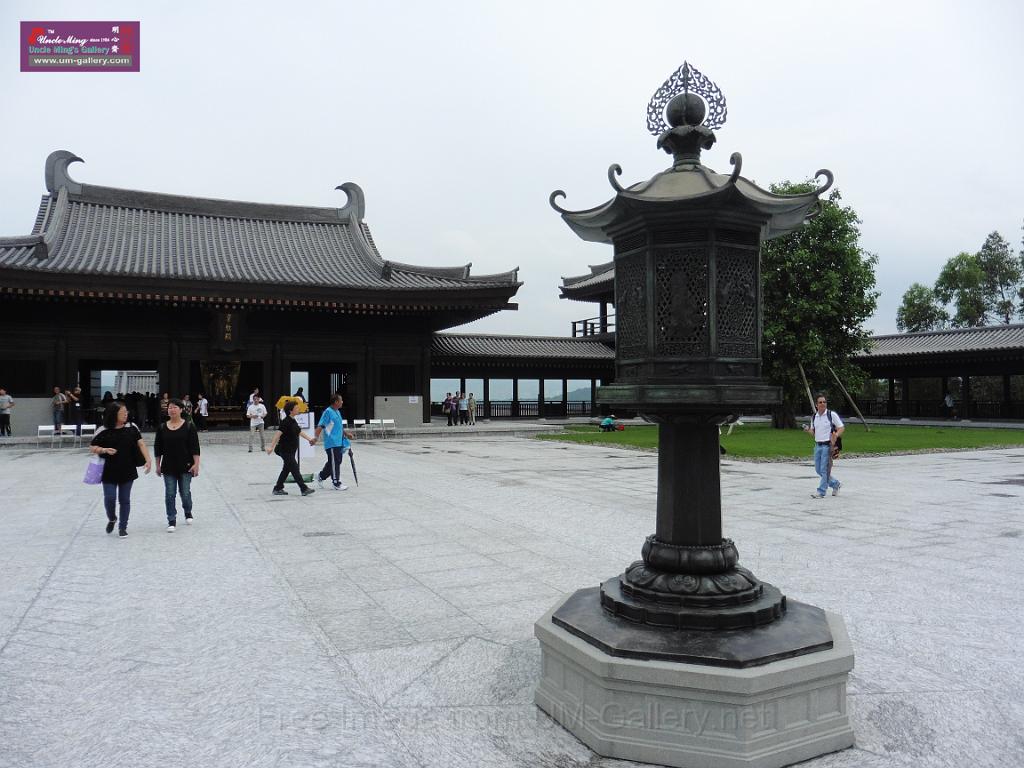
592 326
935 409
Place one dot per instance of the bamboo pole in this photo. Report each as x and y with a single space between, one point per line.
810 397
850 399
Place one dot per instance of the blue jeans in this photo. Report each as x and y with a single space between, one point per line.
171 485
113 492
821 454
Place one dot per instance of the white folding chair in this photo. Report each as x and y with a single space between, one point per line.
67 432
44 430
376 424
358 427
88 432
389 425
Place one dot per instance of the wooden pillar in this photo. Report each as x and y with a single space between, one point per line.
485 410
173 373
1006 410
565 398
462 387
514 409
593 397
892 397
60 365
965 392
604 317
905 385
425 380
540 398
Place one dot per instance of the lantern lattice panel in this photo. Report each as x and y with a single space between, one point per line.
736 312
681 302
630 307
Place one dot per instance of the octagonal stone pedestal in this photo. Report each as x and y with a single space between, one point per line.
696 715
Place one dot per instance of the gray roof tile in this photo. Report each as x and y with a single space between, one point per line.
89 229
988 338
464 345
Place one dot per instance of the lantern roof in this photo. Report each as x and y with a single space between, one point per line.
690 186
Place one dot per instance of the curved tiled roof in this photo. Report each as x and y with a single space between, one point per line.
463 345
92 230
958 340
600 280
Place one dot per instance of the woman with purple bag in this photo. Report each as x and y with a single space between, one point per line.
122 449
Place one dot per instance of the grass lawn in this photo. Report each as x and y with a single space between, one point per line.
761 441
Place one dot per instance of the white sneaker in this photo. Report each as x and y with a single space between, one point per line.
188 521
341 487
170 529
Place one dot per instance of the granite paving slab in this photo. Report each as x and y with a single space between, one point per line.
392 624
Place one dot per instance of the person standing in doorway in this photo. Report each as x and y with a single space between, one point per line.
122 448
286 444
177 460
6 403
57 403
825 427
74 400
188 408
202 411
299 395
163 406
332 425
463 408
447 407
471 404
256 412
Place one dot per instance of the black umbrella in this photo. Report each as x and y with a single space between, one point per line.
352 459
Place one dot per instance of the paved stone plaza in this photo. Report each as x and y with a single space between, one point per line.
392 624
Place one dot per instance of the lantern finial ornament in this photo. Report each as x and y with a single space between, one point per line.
686 80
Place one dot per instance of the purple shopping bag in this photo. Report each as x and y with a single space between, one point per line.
93 471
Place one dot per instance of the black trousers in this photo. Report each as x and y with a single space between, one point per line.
5 424
291 467
332 468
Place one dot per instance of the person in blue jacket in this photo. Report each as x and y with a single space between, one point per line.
332 425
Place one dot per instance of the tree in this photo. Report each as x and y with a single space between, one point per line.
818 290
1003 277
920 310
962 283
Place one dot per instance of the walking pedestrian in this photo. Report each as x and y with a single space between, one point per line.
825 427
202 411
57 403
286 444
332 425
187 409
122 448
256 412
472 409
177 460
6 403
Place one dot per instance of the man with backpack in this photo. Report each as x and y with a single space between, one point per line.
827 430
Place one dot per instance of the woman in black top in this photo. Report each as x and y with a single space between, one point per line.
122 448
286 444
177 459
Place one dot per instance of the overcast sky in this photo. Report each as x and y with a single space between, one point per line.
459 118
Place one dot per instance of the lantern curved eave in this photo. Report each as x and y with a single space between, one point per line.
692 189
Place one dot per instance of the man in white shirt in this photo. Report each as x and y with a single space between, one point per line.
826 427
202 411
256 413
